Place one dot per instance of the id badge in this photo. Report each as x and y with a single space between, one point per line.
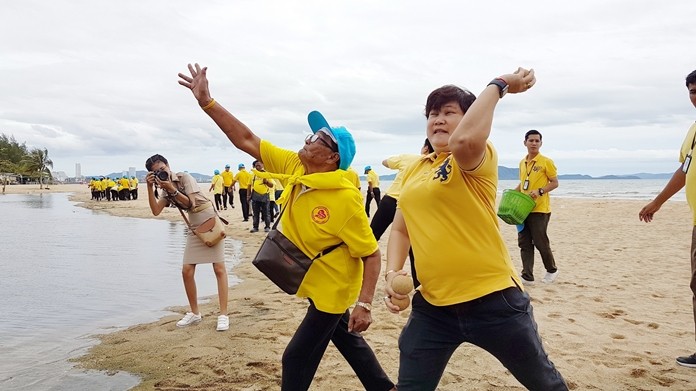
526 183
687 162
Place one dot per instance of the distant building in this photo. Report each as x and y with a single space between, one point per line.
59 176
131 172
78 171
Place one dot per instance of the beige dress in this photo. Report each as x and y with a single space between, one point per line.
196 251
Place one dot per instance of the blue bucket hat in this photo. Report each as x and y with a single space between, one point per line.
241 165
368 168
216 172
343 138
227 166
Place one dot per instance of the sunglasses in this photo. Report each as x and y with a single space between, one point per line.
313 138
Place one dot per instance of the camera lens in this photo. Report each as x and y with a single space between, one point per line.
162 175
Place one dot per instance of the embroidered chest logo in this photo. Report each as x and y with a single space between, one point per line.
320 214
444 170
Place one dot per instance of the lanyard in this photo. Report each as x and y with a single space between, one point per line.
525 186
687 159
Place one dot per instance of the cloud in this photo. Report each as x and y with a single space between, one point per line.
95 82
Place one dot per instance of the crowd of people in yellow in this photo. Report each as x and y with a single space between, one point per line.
117 189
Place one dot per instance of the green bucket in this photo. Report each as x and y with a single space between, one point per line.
515 207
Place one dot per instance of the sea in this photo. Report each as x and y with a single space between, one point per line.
68 273
618 189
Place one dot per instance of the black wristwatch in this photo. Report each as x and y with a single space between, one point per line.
502 85
541 191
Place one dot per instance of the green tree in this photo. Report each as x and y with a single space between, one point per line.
38 164
11 150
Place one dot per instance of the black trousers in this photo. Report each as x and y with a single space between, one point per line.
306 348
225 193
261 210
382 220
368 200
244 202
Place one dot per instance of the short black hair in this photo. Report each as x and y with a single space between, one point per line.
531 132
154 159
429 146
446 94
691 78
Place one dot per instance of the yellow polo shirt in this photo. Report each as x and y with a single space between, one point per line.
399 162
538 170
227 178
373 178
259 186
353 177
319 218
244 178
687 146
124 182
453 227
217 184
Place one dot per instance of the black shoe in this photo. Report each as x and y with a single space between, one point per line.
687 361
254 230
225 208
266 229
245 220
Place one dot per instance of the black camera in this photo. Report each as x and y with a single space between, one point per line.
161 175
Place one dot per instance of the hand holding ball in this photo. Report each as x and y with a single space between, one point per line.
401 303
402 285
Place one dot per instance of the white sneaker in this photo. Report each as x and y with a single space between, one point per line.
189 319
525 281
550 277
223 323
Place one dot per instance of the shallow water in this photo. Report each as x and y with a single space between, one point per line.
67 273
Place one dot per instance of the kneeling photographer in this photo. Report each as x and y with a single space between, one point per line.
182 191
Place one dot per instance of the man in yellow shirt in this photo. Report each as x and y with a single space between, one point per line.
228 184
216 187
372 189
469 289
321 208
243 177
685 175
259 197
538 176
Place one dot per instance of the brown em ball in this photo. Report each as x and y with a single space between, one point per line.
401 303
402 285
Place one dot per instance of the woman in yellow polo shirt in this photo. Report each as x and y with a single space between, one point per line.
469 289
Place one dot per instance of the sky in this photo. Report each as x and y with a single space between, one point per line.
95 82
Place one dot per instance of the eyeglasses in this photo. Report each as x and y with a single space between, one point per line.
312 138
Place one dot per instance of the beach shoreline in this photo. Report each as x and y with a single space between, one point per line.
615 319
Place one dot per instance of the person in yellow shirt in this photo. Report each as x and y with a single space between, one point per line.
217 187
387 206
243 177
321 209
124 188
258 194
469 289
228 184
372 189
134 188
685 175
538 176
353 176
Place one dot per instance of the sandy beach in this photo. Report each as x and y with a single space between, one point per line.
615 319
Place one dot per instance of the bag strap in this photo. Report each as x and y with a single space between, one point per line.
189 223
322 252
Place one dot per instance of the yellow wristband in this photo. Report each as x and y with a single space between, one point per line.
209 105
